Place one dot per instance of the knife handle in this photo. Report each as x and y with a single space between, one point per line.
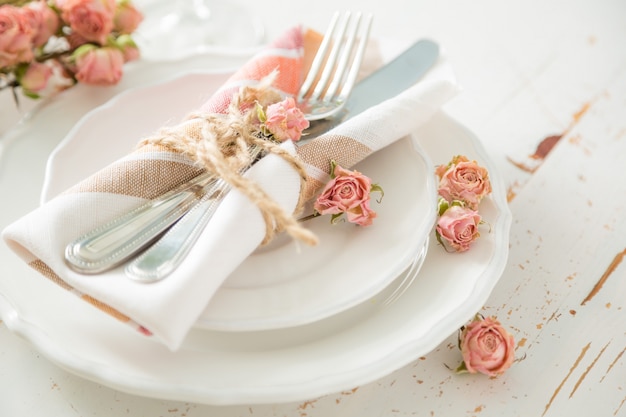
169 251
162 258
111 244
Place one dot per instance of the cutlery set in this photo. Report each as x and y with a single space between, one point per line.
169 225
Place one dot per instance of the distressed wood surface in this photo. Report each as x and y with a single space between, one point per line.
544 87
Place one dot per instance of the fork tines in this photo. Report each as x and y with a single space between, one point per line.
338 58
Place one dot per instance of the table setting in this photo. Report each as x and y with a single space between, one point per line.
479 274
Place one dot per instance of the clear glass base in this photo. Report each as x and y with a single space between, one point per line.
178 28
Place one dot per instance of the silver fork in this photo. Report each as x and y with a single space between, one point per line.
191 206
326 100
322 98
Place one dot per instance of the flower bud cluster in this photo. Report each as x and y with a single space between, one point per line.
462 186
49 45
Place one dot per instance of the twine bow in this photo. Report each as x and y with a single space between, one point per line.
224 148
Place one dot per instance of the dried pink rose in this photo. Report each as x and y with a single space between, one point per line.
463 180
36 77
98 66
43 20
16 36
486 347
347 192
285 120
458 227
127 18
92 19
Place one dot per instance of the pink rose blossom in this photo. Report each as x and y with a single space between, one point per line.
458 226
463 180
16 35
92 19
127 18
99 66
486 347
346 191
36 77
285 120
43 20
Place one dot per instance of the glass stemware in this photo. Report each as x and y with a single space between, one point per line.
174 29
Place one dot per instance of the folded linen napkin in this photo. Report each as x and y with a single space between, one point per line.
169 308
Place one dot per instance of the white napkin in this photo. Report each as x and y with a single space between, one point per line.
169 308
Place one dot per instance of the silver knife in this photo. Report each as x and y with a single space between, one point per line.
98 251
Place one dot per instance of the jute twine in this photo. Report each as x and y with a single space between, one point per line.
225 148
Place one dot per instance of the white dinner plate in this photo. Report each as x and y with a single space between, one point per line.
282 285
357 346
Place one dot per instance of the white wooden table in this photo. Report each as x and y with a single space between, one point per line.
544 87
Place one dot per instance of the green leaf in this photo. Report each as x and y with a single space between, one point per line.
260 113
333 165
30 94
439 239
125 40
461 369
20 71
379 189
442 206
335 218
459 337
82 50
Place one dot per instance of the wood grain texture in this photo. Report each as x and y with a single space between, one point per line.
543 86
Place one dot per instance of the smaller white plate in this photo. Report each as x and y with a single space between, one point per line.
280 285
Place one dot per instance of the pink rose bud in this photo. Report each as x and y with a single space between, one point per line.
129 47
98 66
36 77
16 35
285 120
91 19
464 180
486 347
346 191
127 18
43 19
458 227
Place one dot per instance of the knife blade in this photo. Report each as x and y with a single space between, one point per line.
108 247
388 81
393 78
